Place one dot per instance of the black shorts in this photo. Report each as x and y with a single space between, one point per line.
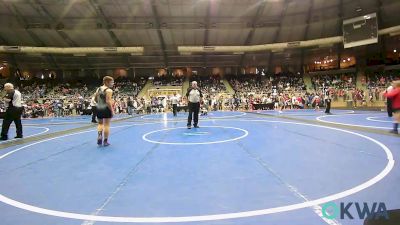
104 113
13 113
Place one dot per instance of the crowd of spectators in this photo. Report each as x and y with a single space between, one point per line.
41 99
259 85
167 81
209 85
343 81
381 79
46 99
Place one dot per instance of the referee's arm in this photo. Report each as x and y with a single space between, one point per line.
201 95
188 91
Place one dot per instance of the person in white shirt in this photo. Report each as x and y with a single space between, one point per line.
135 104
264 100
164 104
269 100
14 111
294 101
194 97
174 102
93 105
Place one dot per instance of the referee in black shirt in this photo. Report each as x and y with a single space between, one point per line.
194 97
328 100
13 112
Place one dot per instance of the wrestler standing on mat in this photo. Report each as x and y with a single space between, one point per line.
105 110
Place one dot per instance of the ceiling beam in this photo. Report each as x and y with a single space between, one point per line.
3 41
157 21
306 31
282 15
340 31
24 22
278 32
11 56
207 30
380 23
41 10
228 18
105 22
108 25
249 38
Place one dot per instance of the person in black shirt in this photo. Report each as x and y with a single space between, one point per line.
327 98
194 97
14 111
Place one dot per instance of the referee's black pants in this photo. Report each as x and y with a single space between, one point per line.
389 107
194 108
328 106
174 109
13 114
94 114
